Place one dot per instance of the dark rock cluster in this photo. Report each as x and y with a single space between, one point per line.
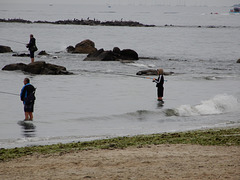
38 67
115 55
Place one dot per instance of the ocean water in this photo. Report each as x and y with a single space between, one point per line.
105 99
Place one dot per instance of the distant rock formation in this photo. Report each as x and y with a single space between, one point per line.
88 22
5 49
38 67
85 47
115 55
149 72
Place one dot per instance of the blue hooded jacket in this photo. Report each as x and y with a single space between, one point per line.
26 91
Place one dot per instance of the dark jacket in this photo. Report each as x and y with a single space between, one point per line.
26 91
159 81
31 44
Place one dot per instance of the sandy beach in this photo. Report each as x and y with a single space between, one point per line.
148 162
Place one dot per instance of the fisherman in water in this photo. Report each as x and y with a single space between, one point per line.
32 47
159 85
28 97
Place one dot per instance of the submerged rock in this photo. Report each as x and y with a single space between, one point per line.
5 49
43 53
38 67
85 47
21 55
115 55
149 72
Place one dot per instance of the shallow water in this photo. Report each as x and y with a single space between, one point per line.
101 100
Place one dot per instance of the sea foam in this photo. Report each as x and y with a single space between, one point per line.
219 104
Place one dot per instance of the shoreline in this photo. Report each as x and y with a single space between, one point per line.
208 154
229 136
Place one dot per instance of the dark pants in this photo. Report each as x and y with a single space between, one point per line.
160 91
31 54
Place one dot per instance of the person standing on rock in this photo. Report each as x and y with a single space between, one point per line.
28 97
32 47
159 85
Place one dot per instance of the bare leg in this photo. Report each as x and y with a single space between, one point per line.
32 60
30 116
160 98
26 116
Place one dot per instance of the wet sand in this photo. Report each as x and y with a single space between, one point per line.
149 162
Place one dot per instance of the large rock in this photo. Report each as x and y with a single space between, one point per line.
115 55
128 54
38 67
149 72
5 49
85 47
238 61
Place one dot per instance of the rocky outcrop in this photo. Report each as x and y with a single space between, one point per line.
115 55
238 61
85 47
38 67
149 72
5 49
89 22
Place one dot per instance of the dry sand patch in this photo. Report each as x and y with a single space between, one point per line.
150 162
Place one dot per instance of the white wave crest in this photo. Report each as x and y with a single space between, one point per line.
217 105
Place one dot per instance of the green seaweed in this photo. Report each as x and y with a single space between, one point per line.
213 137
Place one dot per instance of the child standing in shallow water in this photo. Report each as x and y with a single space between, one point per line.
159 85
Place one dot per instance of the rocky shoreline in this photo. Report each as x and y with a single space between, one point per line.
89 22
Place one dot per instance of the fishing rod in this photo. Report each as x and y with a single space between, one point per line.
13 41
9 93
121 74
143 77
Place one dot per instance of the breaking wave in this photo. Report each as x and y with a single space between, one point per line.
217 105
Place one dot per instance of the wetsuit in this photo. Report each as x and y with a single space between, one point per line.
27 90
159 85
31 45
